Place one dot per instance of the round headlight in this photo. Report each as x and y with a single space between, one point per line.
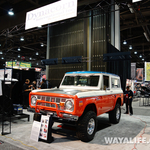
69 105
33 100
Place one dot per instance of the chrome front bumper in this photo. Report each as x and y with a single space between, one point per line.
54 114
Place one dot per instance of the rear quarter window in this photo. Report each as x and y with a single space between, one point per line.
115 83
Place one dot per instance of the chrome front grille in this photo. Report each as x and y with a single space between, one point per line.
50 99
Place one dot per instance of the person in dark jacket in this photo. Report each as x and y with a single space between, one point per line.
43 84
129 97
26 91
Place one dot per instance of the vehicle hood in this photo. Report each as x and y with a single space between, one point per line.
60 91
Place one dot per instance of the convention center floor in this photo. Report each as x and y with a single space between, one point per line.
133 132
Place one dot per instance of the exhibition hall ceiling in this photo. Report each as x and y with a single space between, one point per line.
134 29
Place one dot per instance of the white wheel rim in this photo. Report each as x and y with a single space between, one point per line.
118 113
91 126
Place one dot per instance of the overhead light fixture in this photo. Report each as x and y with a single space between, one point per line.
37 63
42 44
22 38
19 49
18 56
2 57
130 47
143 59
130 8
135 52
0 45
30 58
140 56
37 53
1 52
15 59
146 36
10 12
124 42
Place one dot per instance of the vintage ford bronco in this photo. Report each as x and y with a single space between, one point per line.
80 98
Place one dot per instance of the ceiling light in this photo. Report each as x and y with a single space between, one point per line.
130 8
10 12
19 49
18 56
130 47
42 44
1 52
22 38
0 45
30 58
2 57
15 59
135 52
140 56
37 53
124 42
146 36
37 63
143 59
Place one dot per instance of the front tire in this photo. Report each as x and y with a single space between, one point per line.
86 126
114 115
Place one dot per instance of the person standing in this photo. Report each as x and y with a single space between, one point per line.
43 84
129 97
33 85
26 91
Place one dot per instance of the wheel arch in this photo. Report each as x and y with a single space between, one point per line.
90 107
118 101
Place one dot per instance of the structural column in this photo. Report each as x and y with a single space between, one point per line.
89 39
113 22
48 51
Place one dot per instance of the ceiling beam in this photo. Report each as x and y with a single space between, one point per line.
33 2
133 26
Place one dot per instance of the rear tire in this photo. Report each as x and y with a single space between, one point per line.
114 115
86 126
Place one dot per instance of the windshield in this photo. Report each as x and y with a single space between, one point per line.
81 80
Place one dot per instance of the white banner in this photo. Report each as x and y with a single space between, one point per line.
8 74
57 11
134 1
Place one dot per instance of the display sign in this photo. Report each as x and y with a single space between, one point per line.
25 64
57 11
17 64
133 70
139 74
44 127
147 71
134 1
8 73
35 131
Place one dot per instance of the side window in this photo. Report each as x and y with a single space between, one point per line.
115 83
105 82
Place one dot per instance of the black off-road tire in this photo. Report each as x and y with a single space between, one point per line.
114 115
82 126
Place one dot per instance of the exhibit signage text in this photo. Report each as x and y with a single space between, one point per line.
57 11
18 64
